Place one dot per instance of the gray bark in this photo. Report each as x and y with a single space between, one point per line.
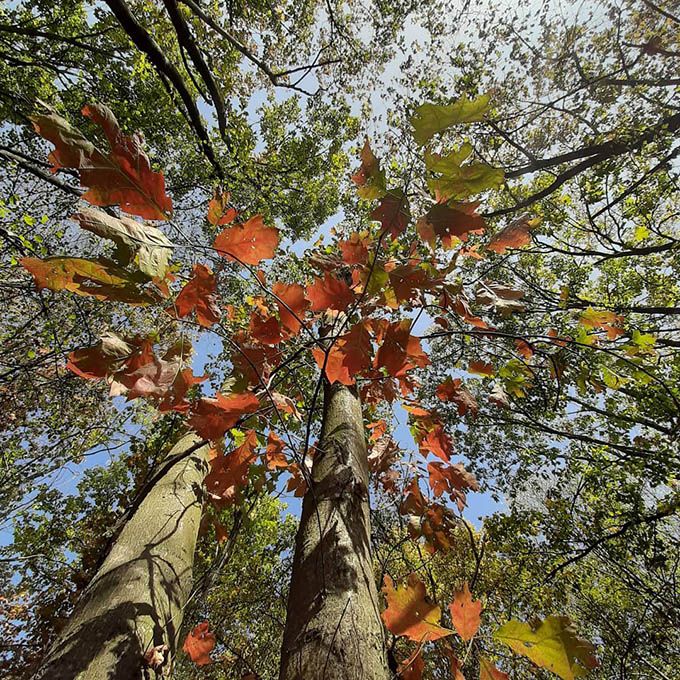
136 599
333 628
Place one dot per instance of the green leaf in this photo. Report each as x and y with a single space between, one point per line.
551 644
429 119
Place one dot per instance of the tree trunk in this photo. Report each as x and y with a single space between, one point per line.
333 628
136 599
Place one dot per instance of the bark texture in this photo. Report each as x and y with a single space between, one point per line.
333 628
135 601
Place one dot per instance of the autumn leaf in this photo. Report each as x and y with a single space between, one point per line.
151 246
409 613
96 362
393 213
285 404
199 294
355 250
211 418
465 613
412 667
514 235
502 298
454 390
122 177
86 277
293 311
199 644
429 119
552 644
608 321
219 212
369 178
274 453
329 293
480 368
487 671
450 221
267 331
228 473
250 242
399 351
437 442
452 479
455 664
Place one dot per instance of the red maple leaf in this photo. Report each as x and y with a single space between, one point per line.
267 331
293 311
229 472
198 294
274 454
439 443
354 251
450 221
392 212
454 390
465 613
329 293
514 235
399 351
122 177
250 242
211 418
199 644
219 212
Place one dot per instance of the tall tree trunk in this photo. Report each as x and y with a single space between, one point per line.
333 628
135 601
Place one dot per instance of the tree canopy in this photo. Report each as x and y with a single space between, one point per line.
461 218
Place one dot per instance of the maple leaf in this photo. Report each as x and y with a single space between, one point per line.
514 235
370 178
292 305
122 177
480 368
219 212
407 280
274 453
175 398
455 664
296 482
524 348
266 331
329 293
85 277
155 657
450 221
229 472
399 351
250 242
412 668
429 119
608 321
551 644
378 429
454 390
211 418
383 453
487 671
198 294
437 442
334 361
355 250
393 213
95 363
199 644
465 613
254 362
285 404
452 479
409 613
152 247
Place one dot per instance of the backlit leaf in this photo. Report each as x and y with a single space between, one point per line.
199 294
199 644
250 242
429 119
465 613
329 293
211 418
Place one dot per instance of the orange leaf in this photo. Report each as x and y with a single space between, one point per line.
487 671
408 612
122 177
480 368
250 242
454 390
199 644
392 212
231 471
329 293
379 428
514 235
198 294
400 351
452 479
266 331
211 418
293 311
355 250
412 668
219 212
465 613
449 222
274 454
437 442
